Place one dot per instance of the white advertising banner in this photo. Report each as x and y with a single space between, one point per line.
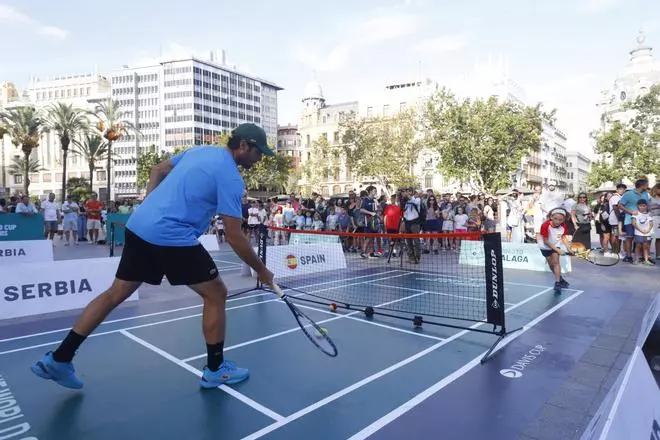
210 242
30 289
26 251
633 409
303 259
649 321
520 256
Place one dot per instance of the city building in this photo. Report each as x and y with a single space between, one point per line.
288 143
321 120
636 78
578 166
640 73
83 91
180 102
8 94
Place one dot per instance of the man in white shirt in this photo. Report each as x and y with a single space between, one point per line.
70 210
51 210
550 199
26 207
413 224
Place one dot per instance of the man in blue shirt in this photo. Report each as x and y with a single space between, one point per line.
628 204
183 194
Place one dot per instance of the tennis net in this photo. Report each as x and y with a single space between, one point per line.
452 279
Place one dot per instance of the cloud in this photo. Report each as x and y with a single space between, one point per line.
596 6
353 37
443 44
11 17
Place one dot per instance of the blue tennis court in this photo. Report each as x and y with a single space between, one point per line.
141 369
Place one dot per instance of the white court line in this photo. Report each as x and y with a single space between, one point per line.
150 324
298 414
334 318
164 312
437 277
421 397
471 298
166 321
232 392
182 308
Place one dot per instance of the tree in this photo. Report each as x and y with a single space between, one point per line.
67 123
270 173
146 161
385 148
112 126
25 126
77 187
629 149
19 167
481 142
93 149
323 163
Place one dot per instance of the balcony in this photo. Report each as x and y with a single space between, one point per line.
534 178
534 160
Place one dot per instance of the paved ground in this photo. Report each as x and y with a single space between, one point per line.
390 381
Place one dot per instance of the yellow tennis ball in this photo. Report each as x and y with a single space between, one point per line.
324 331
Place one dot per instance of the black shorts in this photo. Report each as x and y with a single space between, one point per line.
547 252
149 263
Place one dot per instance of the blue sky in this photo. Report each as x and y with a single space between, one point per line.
562 52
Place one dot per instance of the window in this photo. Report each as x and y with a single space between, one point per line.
370 112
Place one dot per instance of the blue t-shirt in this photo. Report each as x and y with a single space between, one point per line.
205 181
629 201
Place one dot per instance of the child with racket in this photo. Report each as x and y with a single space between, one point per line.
552 235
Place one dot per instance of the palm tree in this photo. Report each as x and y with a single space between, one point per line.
67 122
18 167
112 127
93 149
24 125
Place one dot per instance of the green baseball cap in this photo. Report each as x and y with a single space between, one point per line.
253 134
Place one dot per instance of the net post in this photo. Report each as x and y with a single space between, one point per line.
495 315
112 239
261 247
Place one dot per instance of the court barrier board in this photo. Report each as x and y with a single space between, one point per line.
27 251
19 227
30 289
425 289
631 409
520 256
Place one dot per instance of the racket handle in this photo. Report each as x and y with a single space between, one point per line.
277 290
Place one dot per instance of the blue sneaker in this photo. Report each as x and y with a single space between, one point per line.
62 373
228 373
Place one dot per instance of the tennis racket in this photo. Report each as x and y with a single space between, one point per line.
314 333
596 256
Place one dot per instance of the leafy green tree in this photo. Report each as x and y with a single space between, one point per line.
25 126
629 149
385 148
19 167
67 123
324 162
112 125
481 142
93 149
78 187
146 161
